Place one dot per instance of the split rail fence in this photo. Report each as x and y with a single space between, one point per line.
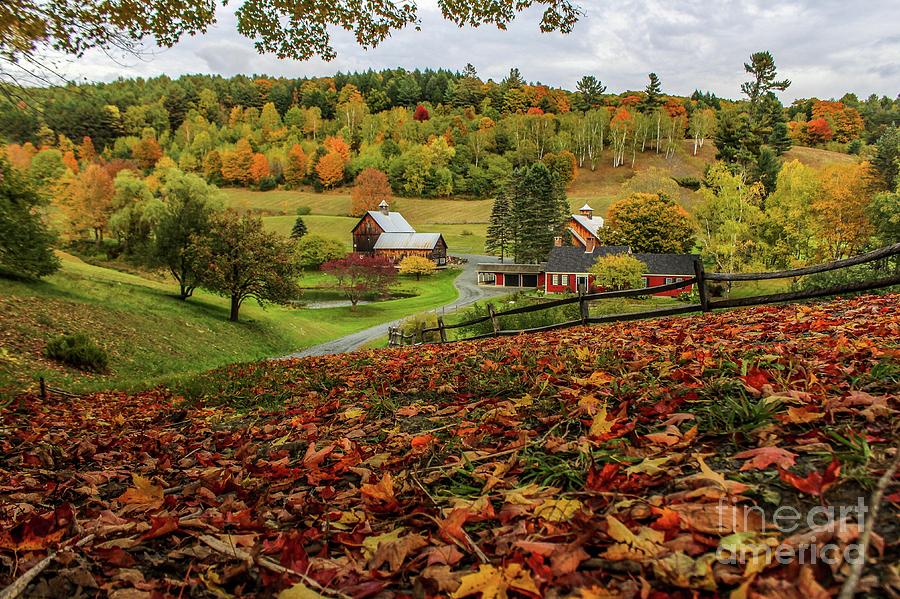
397 337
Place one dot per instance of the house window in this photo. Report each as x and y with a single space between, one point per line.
678 279
555 279
669 280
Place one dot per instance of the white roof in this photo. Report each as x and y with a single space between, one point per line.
392 222
407 241
591 224
586 207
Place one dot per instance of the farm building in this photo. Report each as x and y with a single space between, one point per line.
584 229
385 233
566 270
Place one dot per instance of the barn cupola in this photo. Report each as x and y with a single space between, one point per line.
384 208
586 211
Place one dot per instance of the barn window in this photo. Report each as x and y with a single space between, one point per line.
669 280
556 279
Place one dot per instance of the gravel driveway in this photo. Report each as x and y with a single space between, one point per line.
469 293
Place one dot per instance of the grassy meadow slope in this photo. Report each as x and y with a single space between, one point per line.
152 336
463 222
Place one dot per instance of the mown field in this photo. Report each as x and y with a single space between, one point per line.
153 337
638 459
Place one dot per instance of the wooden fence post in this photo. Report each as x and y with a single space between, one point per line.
493 316
441 329
584 307
392 332
701 285
43 388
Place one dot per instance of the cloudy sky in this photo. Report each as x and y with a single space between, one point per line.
826 47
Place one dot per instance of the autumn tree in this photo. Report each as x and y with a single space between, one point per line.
818 131
359 276
729 218
189 204
417 265
338 145
86 151
240 260
147 152
236 164
788 229
840 220
87 200
618 271
259 168
25 240
649 223
296 166
330 169
421 114
370 188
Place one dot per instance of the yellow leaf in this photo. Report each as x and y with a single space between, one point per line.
493 583
644 545
558 510
647 466
601 425
711 475
683 571
352 413
299 591
370 544
523 401
143 492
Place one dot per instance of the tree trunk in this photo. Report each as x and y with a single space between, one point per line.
235 308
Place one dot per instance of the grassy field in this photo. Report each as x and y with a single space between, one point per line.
152 337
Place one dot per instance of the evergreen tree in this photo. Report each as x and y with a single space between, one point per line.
731 135
762 67
887 157
766 168
590 90
499 229
780 141
537 210
654 94
299 228
514 80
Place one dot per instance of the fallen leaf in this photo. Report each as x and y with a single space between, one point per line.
493 583
763 457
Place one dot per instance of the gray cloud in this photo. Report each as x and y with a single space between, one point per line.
826 47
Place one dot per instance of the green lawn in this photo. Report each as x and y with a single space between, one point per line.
153 337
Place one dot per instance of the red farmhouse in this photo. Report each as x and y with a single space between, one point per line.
566 271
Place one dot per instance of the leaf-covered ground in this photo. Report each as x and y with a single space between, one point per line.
635 460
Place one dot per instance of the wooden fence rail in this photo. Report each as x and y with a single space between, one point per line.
700 278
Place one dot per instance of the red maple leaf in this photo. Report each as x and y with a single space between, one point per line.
814 483
763 457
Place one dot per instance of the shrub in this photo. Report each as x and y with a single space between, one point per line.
416 323
303 210
844 276
466 233
689 182
78 351
268 183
